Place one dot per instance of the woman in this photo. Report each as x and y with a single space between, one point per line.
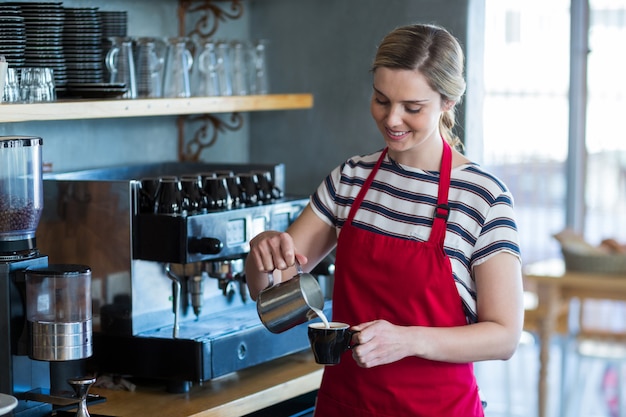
428 270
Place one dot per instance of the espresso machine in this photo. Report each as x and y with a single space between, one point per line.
45 310
167 243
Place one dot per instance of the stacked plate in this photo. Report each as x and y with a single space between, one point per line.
12 35
44 37
114 23
85 52
82 45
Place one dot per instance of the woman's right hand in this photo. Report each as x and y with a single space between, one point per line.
269 251
273 251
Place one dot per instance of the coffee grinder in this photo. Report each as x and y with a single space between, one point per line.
45 310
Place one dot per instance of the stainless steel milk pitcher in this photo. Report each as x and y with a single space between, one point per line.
289 303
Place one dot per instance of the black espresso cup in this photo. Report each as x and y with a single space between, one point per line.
329 343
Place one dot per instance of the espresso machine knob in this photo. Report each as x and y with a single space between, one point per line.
205 245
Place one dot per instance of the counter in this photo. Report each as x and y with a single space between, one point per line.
232 395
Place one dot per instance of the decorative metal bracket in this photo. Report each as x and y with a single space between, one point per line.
206 134
210 16
204 17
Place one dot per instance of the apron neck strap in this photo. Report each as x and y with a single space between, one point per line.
442 211
366 186
438 232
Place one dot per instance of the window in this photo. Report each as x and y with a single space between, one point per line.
526 118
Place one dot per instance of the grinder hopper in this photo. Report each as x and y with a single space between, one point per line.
21 195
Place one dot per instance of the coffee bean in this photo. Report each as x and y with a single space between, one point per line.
18 214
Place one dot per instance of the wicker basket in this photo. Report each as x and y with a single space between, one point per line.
602 263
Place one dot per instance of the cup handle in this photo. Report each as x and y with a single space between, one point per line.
351 333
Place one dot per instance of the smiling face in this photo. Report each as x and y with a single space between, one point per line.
407 112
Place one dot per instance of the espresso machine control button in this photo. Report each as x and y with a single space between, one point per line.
205 245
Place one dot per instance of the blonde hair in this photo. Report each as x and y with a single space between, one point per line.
435 53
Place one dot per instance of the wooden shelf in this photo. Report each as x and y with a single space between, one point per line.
115 108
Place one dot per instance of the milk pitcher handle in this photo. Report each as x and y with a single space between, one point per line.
270 275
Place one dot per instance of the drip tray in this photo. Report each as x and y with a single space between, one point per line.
204 349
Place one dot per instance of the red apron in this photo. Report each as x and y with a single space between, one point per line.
408 283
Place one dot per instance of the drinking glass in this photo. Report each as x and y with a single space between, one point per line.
35 85
3 75
48 80
12 86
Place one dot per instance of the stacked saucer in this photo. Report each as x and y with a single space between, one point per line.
114 23
82 45
44 37
12 35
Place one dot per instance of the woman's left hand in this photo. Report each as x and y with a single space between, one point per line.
379 342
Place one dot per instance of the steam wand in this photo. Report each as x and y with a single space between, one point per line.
176 293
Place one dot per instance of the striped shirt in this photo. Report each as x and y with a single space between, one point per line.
401 203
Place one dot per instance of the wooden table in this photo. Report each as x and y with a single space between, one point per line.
555 288
232 395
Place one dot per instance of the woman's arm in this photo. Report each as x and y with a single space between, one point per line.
308 237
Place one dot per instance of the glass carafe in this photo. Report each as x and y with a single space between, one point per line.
258 68
149 65
178 63
240 80
207 65
224 65
121 64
